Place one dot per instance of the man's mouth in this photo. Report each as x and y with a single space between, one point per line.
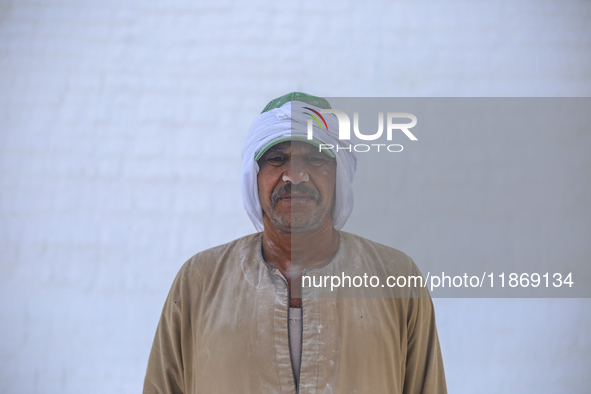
290 193
291 197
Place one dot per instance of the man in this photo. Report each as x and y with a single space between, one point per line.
238 318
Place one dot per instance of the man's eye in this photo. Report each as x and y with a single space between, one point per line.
316 160
275 159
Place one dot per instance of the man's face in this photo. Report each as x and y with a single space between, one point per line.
296 186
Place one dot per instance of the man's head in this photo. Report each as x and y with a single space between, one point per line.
278 160
296 185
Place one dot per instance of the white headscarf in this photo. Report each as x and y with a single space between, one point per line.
290 120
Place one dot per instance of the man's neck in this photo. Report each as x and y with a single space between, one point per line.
291 253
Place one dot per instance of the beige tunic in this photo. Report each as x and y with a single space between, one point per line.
224 328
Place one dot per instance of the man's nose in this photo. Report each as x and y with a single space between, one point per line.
295 173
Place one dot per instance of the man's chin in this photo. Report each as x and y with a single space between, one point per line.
306 225
297 225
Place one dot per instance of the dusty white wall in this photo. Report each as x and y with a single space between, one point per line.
121 125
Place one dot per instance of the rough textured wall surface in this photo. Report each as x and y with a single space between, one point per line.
121 126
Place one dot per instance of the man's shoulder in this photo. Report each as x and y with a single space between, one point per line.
247 243
363 243
377 251
217 257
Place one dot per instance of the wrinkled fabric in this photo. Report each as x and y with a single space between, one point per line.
224 329
291 120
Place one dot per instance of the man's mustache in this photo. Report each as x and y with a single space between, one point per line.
299 189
